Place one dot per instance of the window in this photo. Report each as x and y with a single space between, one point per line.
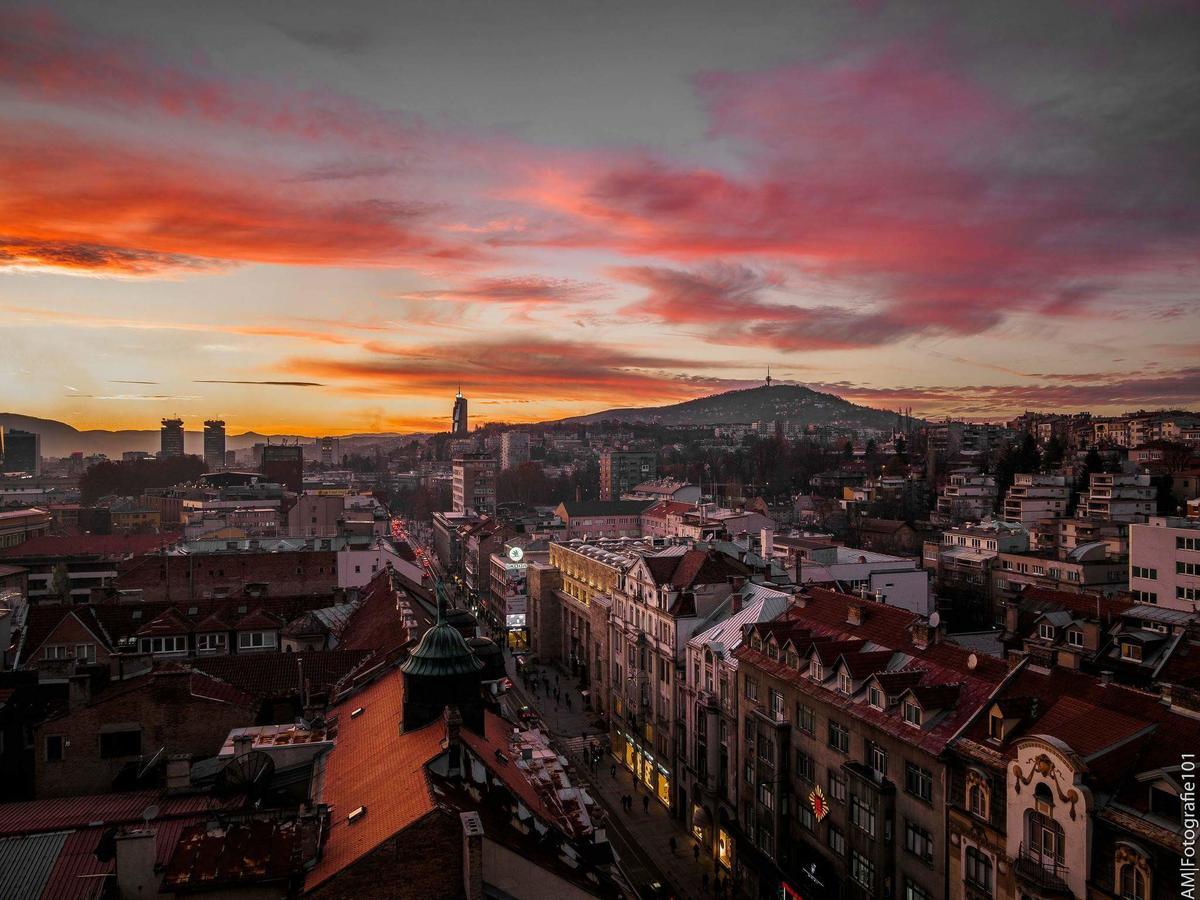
55 744
765 795
804 765
845 685
996 727
210 642
816 670
837 786
807 819
978 872
775 703
977 800
1166 805
1182 543
875 697
1075 638
806 719
170 644
751 689
55 651
1046 631
876 759
1132 883
1144 572
1145 596
862 870
1045 837
918 841
836 840
839 737
918 781
793 660
120 743
255 640
913 891
912 713
85 653
1131 651
1182 568
862 814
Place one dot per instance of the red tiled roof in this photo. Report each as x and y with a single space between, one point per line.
74 876
860 665
377 766
112 546
664 508
208 856
169 622
64 813
694 567
378 623
205 687
1041 599
257 619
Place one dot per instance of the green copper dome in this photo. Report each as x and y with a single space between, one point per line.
442 651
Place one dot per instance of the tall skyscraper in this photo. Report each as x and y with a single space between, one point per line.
458 425
514 449
214 443
622 470
327 444
284 464
21 451
172 438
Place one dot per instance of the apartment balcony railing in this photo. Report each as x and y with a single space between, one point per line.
1042 870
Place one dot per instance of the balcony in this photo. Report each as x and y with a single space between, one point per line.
1042 870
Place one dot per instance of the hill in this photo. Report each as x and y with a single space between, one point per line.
789 402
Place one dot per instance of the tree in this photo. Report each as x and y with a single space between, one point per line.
1052 455
848 450
901 448
60 582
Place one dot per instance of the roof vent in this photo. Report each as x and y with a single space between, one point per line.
355 815
357 712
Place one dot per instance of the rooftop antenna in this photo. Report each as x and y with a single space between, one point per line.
768 376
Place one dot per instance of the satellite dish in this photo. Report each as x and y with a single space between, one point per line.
972 661
935 620
150 813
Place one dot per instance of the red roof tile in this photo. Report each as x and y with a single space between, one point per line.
278 674
112 546
377 766
208 856
258 619
64 813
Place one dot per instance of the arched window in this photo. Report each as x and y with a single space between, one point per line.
978 870
1132 882
1045 837
977 800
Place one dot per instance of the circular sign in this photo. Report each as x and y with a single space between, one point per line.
820 806
515 554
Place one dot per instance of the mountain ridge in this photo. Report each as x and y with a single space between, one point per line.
789 402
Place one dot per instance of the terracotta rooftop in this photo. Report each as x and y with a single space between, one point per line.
377 767
278 674
111 546
211 855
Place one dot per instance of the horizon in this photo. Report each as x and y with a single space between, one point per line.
312 222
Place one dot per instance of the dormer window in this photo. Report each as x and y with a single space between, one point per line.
875 697
845 684
772 650
912 713
1131 652
1046 631
996 726
816 671
1075 638
755 642
1165 804
793 659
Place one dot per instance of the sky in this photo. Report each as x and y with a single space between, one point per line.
325 218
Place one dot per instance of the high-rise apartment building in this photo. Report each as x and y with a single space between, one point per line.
284 464
172 438
1033 497
214 443
514 449
458 425
475 484
327 451
1164 562
623 470
21 451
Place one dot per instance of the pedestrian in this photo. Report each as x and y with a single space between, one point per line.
696 852
646 804
671 843
613 771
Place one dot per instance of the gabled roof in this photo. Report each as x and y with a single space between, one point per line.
376 766
935 696
275 675
257 619
861 664
693 567
167 622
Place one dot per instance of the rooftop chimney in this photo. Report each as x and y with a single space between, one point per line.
472 828
135 864
854 614
179 773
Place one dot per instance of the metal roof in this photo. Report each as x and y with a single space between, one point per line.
26 863
1150 613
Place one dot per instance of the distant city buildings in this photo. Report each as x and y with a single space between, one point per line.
284 464
171 438
20 451
514 449
474 485
214 443
623 470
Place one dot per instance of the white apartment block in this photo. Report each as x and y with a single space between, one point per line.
1032 497
967 498
1164 562
1119 498
514 449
